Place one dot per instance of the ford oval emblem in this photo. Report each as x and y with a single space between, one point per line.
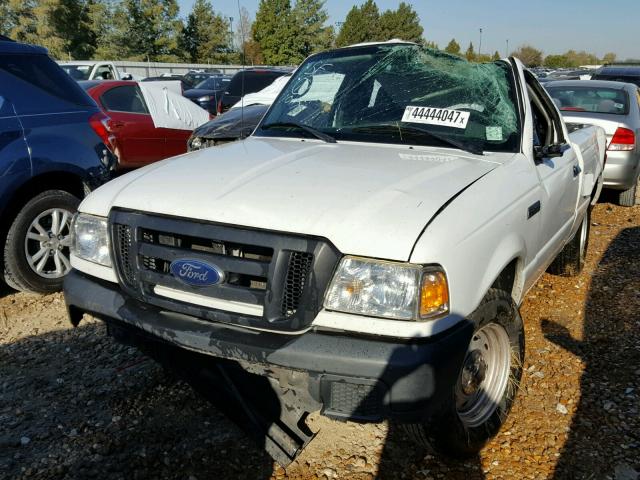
196 273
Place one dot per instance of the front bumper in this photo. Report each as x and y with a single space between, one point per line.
347 377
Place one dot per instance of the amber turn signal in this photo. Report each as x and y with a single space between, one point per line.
434 294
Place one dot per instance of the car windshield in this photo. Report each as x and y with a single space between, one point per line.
590 99
399 93
78 72
213 83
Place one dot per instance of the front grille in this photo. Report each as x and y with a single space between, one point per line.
299 265
355 401
123 242
284 274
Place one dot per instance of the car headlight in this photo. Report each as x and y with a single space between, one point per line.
91 239
205 98
400 291
195 143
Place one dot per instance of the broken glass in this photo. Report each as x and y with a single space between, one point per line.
401 93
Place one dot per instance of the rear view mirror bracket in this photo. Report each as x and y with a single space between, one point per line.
553 150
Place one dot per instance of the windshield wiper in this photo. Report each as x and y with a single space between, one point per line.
467 147
316 133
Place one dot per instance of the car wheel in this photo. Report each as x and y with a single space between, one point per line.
627 198
487 383
570 261
36 251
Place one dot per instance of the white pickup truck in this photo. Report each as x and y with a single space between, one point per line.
94 70
362 254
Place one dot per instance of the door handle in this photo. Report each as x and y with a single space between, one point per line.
116 124
576 170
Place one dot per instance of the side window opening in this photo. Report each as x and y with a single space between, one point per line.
126 98
542 125
547 122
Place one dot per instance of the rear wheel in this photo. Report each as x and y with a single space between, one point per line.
570 261
627 198
36 251
487 383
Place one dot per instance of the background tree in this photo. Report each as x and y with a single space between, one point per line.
556 61
470 54
50 16
496 56
360 25
274 31
530 56
311 34
205 36
147 30
5 18
453 47
102 17
243 28
250 52
402 23
609 58
22 21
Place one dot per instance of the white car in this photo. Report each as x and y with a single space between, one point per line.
362 253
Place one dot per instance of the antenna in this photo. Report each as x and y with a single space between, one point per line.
243 62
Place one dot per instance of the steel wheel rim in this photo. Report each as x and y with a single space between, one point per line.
489 345
47 243
583 236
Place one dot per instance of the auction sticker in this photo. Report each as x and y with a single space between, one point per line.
436 116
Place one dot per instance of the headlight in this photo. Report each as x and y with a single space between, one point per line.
91 239
195 143
206 98
377 288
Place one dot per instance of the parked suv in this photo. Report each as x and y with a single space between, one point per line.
53 151
248 81
619 73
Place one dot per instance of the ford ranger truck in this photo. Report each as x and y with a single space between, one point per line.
363 253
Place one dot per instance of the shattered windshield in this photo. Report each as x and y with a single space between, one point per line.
400 93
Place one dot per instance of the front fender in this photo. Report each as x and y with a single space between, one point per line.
481 232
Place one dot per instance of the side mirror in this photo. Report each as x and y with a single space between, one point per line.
550 151
127 76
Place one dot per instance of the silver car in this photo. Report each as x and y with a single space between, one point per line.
614 106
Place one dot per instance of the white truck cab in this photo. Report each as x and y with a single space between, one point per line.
363 253
94 70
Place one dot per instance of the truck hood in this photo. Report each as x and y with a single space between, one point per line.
367 199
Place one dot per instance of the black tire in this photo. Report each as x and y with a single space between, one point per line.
627 198
448 432
570 261
18 274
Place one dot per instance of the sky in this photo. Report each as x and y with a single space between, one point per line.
553 26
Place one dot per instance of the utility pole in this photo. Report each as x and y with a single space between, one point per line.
231 31
480 45
507 48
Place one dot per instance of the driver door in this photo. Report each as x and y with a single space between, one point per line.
559 176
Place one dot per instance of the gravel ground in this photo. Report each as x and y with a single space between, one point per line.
73 404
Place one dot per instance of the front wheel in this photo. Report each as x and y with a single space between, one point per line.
36 251
487 383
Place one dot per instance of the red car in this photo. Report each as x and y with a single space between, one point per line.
137 142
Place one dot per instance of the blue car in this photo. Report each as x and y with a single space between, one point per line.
54 149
